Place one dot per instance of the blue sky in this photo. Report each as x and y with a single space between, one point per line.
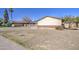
37 13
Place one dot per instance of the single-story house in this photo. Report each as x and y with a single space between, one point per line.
49 21
21 23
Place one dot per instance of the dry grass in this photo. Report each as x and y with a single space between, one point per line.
44 38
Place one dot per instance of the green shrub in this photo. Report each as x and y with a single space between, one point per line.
59 28
9 24
1 22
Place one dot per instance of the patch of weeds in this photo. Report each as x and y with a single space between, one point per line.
15 39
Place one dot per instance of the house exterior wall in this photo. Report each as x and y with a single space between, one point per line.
66 25
72 25
48 21
18 25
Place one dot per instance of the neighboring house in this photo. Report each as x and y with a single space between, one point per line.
18 23
21 23
70 25
49 21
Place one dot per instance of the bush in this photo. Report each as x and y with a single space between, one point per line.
59 28
9 24
1 22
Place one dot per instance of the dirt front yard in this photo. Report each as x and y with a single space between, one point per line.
43 39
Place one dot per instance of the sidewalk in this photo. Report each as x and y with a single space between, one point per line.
6 44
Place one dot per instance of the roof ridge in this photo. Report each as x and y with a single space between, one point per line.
47 16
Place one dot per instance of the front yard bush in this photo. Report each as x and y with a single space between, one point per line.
9 24
59 28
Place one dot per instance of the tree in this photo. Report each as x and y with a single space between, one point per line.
65 19
11 12
6 17
68 19
77 21
27 19
1 21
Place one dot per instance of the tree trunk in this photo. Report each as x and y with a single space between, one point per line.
69 25
77 24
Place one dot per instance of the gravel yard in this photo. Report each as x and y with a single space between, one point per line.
43 39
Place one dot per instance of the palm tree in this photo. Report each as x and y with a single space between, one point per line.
11 12
6 17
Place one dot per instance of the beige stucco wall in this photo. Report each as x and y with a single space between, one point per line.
66 25
48 21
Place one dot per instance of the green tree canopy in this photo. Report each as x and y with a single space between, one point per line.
77 19
69 19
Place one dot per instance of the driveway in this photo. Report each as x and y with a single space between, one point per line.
6 44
